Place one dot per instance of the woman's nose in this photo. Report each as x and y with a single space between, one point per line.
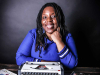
49 19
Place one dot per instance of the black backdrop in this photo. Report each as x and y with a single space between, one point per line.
17 17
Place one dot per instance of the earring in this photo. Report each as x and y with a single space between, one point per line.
43 30
38 31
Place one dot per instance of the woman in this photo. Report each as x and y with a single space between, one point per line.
50 41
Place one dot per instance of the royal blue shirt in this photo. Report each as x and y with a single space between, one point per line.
67 56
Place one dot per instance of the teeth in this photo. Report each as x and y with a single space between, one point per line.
49 26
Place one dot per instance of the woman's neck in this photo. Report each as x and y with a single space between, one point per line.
49 36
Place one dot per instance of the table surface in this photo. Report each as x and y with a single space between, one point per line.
76 70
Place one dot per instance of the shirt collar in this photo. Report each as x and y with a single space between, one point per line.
48 41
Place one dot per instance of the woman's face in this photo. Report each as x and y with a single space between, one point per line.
49 22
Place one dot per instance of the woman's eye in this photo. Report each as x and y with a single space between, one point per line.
44 17
53 16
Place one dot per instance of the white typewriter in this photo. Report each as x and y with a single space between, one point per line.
41 68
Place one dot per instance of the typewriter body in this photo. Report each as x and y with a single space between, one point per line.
41 68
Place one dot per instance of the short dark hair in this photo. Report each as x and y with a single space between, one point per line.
60 20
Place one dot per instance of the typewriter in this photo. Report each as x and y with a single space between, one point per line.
41 68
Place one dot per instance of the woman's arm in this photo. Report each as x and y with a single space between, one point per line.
67 52
68 55
24 51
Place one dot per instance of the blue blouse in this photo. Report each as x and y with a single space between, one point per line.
67 56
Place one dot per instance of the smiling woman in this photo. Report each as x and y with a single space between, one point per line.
50 41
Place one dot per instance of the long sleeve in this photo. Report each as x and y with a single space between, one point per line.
24 51
68 55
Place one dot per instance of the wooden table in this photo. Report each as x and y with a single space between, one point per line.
77 70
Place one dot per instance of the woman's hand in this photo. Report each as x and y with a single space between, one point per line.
46 61
57 38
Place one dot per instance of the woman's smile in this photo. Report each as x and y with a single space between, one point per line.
49 26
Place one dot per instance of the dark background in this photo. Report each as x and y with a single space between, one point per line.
17 17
